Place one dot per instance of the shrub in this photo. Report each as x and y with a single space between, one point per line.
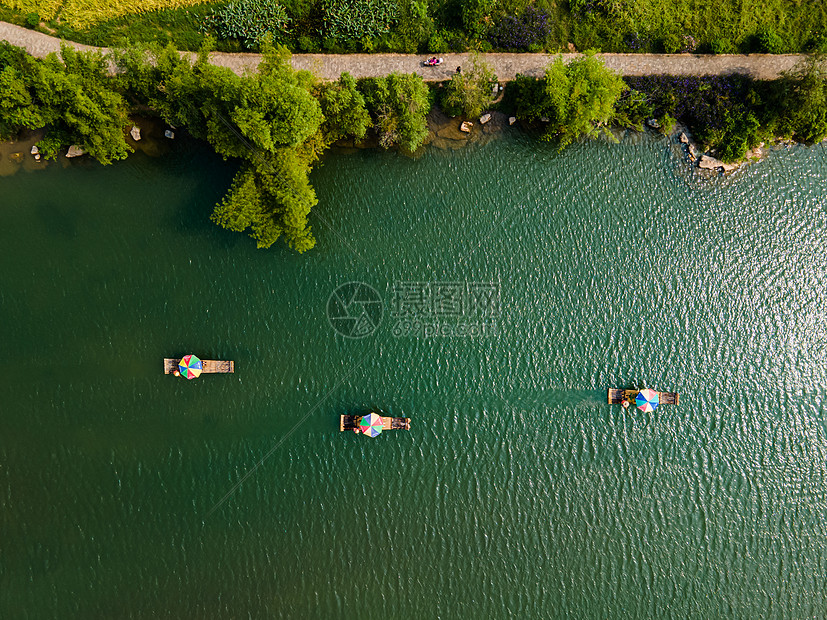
475 16
804 100
413 28
578 98
741 133
770 41
722 45
250 21
469 92
632 109
308 44
717 108
32 20
671 42
437 43
667 124
355 19
521 32
399 104
636 41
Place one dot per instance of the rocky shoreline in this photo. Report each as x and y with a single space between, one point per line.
20 152
444 132
707 161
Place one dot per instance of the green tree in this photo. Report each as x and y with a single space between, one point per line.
71 96
469 92
399 104
272 198
17 105
476 16
343 107
803 100
578 99
270 119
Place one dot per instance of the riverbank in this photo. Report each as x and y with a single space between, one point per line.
444 133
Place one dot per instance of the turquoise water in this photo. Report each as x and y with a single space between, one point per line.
518 491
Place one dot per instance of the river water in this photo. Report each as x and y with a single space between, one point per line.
515 285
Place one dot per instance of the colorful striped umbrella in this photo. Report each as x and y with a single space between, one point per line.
647 400
371 424
190 367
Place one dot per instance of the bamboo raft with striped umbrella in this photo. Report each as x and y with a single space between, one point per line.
617 396
209 366
351 423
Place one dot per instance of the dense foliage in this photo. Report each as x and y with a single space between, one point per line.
72 98
578 98
804 95
469 92
718 26
344 110
250 21
358 19
525 32
398 104
732 114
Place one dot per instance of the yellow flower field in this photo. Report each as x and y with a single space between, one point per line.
47 9
83 13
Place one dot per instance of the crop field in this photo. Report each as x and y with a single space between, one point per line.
719 26
84 13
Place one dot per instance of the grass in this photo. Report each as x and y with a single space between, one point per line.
720 25
85 13
180 27
80 14
46 9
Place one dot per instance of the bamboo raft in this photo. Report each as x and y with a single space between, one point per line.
209 366
618 396
349 422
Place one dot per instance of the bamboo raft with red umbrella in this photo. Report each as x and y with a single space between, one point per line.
351 423
617 396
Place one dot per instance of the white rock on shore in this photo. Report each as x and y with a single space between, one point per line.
135 132
710 163
75 151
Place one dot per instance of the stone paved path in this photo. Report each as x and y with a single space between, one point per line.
506 66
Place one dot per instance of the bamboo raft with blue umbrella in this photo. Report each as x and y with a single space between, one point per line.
645 399
372 424
191 366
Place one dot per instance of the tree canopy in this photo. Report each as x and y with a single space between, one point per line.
469 92
399 104
578 98
70 95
